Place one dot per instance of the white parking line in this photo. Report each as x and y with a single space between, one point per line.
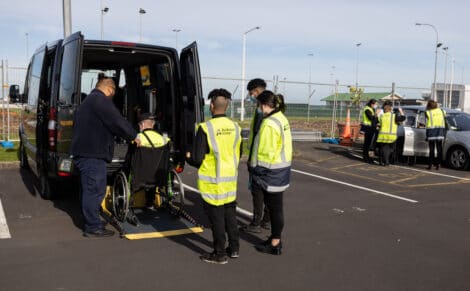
4 231
422 171
355 186
240 211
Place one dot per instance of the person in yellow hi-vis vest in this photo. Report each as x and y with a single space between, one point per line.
368 126
149 139
387 136
435 132
271 165
216 154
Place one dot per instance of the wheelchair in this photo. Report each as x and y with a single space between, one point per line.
148 169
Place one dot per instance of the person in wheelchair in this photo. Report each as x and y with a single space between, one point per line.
141 165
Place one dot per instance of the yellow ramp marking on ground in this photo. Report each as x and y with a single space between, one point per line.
160 234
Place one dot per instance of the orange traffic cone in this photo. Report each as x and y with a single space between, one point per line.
346 135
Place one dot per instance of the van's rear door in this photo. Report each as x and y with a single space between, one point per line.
69 89
193 100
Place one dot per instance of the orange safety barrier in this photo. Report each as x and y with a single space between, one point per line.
346 134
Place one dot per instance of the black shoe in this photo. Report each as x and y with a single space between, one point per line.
265 225
437 166
429 167
251 228
269 248
99 233
214 259
132 218
232 254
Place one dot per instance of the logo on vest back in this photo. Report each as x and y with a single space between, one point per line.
224 131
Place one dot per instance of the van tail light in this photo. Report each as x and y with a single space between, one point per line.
52 129
179 169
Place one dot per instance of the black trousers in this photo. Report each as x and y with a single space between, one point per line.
274 202
260 211
368 139
223 220
432 158
386 150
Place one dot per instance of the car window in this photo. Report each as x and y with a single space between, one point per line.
90 78
67 73
35 78
460 121
410 118
421 119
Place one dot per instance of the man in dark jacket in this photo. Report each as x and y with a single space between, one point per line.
96 123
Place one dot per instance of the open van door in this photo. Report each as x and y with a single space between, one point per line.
68 92
193 100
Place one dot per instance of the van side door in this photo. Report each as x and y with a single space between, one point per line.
69 95
193 100
33 89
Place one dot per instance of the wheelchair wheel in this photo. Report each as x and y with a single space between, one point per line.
175 192
120 196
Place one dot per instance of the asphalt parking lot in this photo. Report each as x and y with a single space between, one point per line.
349 226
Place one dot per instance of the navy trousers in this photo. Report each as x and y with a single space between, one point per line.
93 182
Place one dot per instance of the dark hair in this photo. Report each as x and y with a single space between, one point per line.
275 101
371 101
219 92
255 83
431 105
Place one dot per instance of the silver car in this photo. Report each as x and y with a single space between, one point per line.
412 136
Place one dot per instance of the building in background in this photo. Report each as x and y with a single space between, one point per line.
459 99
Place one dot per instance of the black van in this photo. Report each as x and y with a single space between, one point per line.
148 78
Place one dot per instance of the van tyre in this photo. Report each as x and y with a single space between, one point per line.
22 156
458 158
47 187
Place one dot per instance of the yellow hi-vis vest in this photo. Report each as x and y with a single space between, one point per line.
272 147
388 128
217 175
365 119
435 118
156 139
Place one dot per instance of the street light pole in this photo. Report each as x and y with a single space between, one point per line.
27 46
176 30
444 95
433 92
141 12
242 89
357 64
309 85
67 17
103 10
451 82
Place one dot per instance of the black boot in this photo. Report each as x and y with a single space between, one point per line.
270 249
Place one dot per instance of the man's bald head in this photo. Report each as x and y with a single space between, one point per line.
220 99
107 86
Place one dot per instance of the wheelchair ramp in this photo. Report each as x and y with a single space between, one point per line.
156 224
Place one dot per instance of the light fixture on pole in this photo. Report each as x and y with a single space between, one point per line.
176 30
242 90
433 92
141 12
104 10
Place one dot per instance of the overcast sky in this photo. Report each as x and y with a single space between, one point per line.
393 48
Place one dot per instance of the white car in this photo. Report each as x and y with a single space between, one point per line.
412 136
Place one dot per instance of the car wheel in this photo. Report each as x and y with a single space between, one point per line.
22 156
47 187
457 158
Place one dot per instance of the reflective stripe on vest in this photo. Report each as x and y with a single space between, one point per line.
365 118
219 189
388 128
435 118
284 163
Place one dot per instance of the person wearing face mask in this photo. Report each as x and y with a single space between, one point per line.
369 123
260 212
96 122
271 165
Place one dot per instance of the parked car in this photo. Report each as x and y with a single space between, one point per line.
412 136
149 78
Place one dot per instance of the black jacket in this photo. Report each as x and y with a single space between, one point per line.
96 123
